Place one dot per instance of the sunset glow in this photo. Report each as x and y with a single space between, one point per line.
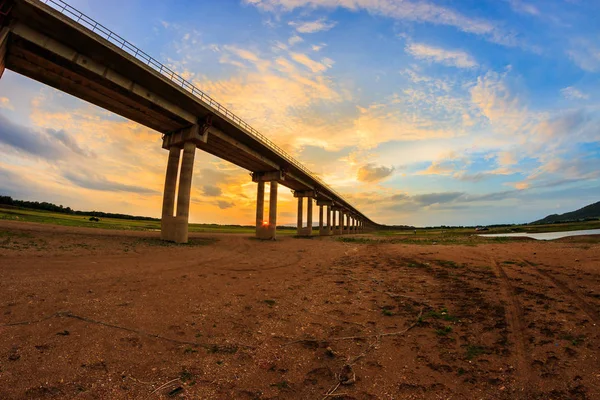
418 112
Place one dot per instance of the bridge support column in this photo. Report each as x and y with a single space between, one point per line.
325 206
334 229
302 230
167 221
266 230
320 220
309 216
3 44
300 223
273 209
183 196
342 223
175 228
260 205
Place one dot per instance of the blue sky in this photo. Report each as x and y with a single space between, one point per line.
420 112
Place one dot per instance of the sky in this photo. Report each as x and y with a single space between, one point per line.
418 112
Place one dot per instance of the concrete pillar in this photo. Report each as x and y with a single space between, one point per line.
267 229
3 44
320 220
300 218
342 215
335 228
260 206
185 189
309 215
167 220
273 207
329 230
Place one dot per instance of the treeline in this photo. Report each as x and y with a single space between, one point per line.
44 205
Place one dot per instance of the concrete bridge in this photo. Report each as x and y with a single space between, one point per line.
53 43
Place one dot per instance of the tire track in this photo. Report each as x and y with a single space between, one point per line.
515 316
580 302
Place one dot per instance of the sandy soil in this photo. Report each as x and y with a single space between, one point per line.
94 314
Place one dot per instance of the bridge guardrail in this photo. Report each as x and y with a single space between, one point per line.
168 73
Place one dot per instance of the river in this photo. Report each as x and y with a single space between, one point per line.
546 235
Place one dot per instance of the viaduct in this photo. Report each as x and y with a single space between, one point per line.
53 43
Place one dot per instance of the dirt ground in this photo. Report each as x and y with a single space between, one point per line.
95 314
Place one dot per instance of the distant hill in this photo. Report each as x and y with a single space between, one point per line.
588 212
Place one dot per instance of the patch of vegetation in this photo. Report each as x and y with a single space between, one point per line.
225 349
13 234
190 350
417 264
361 240
444 331
575 340
441 314
185 375
474 351
447 263
281 385
193 242
387 312
270 302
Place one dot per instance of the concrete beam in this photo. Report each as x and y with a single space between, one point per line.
179 138
226 138
299 180
102 71
3 44
310 194
328 203
268 176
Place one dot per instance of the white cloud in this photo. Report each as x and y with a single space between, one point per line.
453 58
373 173
421 11
5 103
586 54
295 40
524 8
311 64
312 26
573 94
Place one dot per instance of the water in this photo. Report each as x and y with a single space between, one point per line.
546 235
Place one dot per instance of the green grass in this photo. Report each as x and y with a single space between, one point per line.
441 314
474 351
444 331
47 217
424 236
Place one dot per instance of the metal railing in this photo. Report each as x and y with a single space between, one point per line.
168 73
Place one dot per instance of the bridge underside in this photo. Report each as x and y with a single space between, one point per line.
41 43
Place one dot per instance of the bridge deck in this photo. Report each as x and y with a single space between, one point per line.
54 49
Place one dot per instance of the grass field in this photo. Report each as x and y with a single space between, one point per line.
422 235
46 217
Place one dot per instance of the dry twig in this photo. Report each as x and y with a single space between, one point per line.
164 385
